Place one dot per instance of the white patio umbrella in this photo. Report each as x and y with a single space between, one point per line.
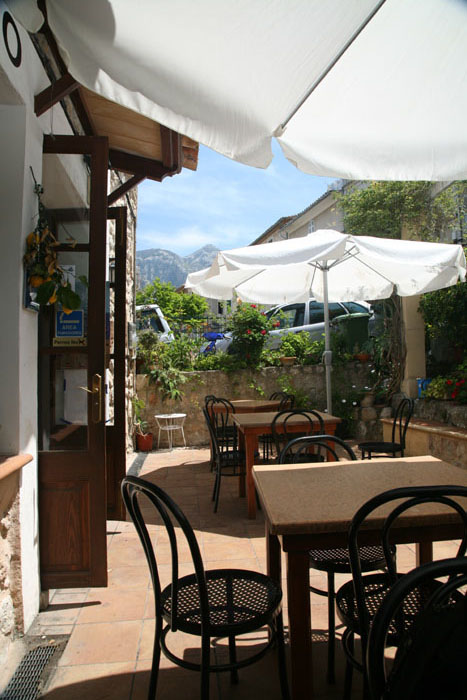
330 266
360 89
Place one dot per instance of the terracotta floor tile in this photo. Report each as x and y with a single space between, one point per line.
105 642
129 576
93 682
113 604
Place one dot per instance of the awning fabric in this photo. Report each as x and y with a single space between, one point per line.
230 74
356 267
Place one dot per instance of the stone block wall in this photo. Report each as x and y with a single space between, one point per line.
11 605
249 384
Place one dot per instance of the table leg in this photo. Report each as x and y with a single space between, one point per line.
241 478
298 590
423 553
273 556
251 442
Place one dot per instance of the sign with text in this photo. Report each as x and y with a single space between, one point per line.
69 325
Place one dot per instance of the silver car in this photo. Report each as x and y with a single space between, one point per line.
303 316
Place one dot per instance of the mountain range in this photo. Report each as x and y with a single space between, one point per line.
170 267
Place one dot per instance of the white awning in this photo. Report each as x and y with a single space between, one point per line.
380 88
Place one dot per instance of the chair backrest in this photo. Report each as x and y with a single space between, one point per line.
220 414
280 426
408 497
286 400
432 651
136 490
222 432
327 445
400 424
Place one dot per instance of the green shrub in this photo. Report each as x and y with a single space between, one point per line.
249 328
301 346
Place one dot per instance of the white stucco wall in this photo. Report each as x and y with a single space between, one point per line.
21 137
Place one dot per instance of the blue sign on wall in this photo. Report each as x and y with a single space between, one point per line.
69 325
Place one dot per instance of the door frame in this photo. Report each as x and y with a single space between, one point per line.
116 435
73 543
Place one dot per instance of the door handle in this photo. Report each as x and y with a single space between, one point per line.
96 401
96 398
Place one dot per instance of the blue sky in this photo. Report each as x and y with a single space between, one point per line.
223 203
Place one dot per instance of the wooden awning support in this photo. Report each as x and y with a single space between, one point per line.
124 188
53 94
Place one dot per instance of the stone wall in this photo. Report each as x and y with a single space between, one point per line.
249 384
11 605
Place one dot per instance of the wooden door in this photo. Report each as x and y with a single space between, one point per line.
72 454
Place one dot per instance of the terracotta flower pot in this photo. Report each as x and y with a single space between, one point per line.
144 442
286 361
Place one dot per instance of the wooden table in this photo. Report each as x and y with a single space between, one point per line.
251 426
310 506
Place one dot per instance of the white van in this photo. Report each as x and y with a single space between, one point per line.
150 316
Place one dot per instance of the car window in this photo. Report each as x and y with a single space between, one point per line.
290 316
354 308
317 311
149 319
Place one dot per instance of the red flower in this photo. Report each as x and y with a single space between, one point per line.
253 306
263 332
277 324
248 331
449 382
454 394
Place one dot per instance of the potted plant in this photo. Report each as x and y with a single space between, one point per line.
144 439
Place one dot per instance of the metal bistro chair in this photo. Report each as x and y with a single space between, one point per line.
218 411
283 435
228 459
400 424
210 604
336 560
266 441
358 600
430 659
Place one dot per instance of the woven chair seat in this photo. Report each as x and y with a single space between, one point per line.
376 587
337 559
381 446
239 601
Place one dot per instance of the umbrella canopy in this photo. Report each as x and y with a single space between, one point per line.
331 266
361 89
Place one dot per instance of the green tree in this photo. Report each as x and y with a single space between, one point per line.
175 305
384 208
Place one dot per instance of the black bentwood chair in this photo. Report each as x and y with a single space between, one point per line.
213 603
227 458
358 600
336 560
266 441
432 649
282 434
219 411
400 424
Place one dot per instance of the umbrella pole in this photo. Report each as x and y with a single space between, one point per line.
327 355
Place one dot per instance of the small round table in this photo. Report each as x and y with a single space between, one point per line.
169 422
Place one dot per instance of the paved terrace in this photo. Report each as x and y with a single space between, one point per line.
110 630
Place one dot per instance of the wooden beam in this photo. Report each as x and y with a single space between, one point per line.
53 94
171 144
124 188
73 144
138 165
